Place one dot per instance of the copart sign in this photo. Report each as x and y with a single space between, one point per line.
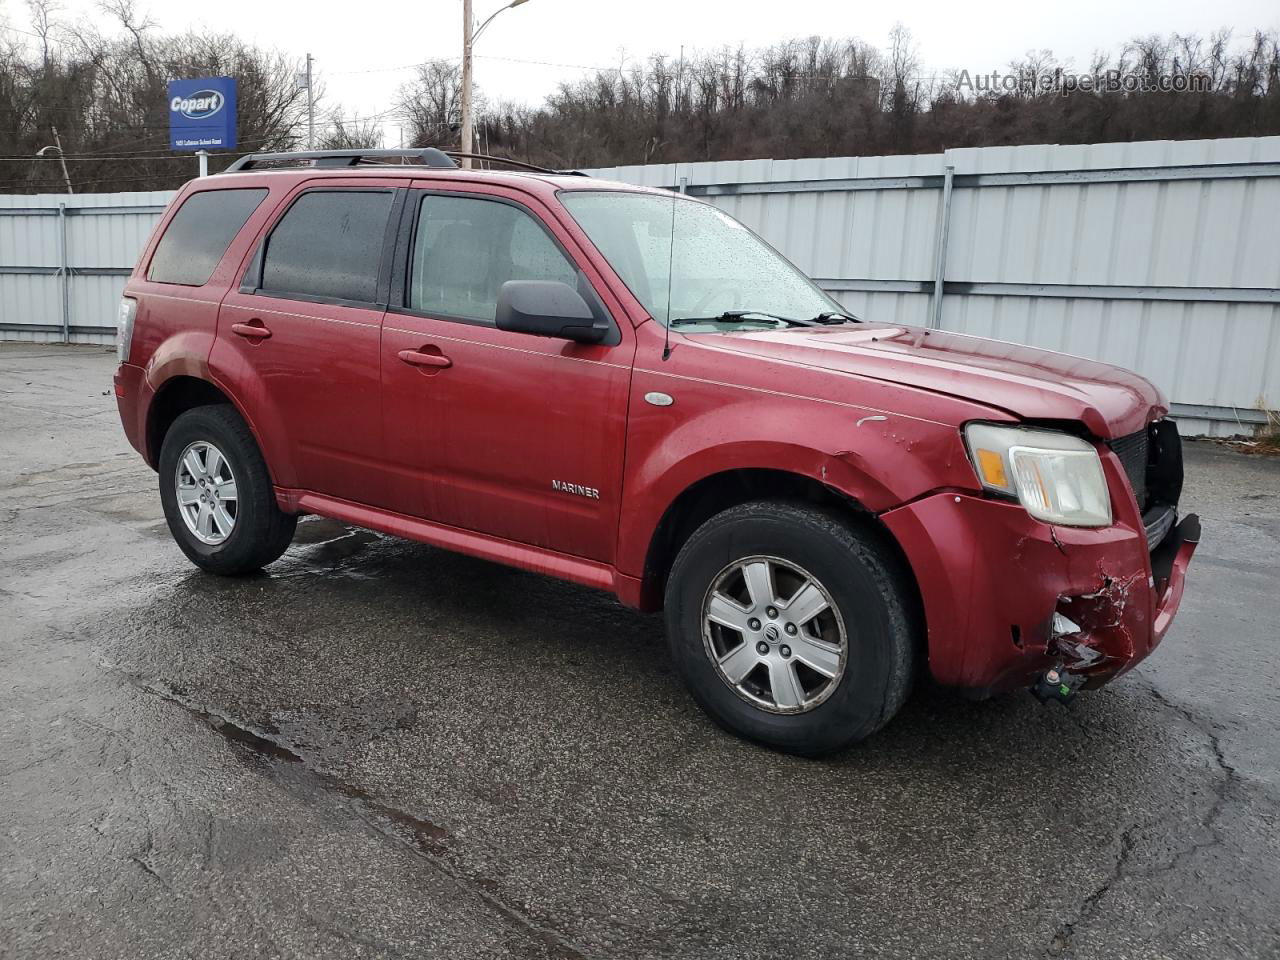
202 114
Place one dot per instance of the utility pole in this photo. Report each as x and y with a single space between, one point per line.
311 108
62 159
467 23
469 34
57 145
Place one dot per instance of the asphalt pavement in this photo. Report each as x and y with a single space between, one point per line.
377 748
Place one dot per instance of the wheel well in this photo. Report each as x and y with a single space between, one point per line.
176 397
700 502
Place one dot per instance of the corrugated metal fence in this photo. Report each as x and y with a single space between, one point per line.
1161 256
64 259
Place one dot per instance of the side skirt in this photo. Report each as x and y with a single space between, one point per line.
589 573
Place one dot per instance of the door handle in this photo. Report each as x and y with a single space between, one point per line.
253 330
417 358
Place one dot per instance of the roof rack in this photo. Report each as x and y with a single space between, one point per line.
427 156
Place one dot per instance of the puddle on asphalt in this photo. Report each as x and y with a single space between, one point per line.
320 542
342 548
256 740
427 836
319 530
430 838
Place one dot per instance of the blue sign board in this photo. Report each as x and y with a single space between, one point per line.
202 114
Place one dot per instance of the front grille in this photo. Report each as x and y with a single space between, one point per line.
1133 453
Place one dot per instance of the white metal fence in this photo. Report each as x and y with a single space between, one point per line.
1161 256
64 259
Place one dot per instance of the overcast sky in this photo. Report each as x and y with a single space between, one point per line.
567 36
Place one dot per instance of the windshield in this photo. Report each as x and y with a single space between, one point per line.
718 266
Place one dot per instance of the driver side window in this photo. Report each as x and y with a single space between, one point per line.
465 249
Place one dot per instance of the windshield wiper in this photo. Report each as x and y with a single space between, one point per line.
832 316
731 315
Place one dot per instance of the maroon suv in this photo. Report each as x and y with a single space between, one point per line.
628 389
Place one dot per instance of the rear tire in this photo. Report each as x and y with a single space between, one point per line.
840 673
228 521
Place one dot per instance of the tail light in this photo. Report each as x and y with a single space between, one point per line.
124 326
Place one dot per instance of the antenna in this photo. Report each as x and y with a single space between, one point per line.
671 260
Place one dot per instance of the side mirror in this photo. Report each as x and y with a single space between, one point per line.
548 308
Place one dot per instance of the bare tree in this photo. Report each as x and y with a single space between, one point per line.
104 89
430 104
349 133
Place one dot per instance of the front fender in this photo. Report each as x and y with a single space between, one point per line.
879 460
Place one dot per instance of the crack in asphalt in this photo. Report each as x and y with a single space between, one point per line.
428 840
1061 941
1229 780
1062 938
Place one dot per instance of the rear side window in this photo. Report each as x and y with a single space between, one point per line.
199 234
328 246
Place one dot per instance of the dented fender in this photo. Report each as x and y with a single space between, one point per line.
876 460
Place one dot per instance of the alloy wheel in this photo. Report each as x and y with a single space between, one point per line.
206 491
774 634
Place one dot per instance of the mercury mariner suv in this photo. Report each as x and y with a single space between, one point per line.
626 388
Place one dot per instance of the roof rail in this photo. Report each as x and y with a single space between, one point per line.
456 154
428 156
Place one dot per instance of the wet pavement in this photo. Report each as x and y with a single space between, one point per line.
380 749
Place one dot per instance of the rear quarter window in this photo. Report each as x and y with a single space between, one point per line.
199 233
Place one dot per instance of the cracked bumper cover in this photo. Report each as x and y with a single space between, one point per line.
992 578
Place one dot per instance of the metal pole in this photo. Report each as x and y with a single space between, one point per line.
65 270
940 262
466 145
66 178
204 162
311 109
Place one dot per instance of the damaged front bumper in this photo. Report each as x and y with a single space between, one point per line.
1010 601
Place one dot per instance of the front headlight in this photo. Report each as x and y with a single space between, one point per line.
127 310
1058 478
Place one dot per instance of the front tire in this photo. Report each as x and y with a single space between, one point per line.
791 626
217 493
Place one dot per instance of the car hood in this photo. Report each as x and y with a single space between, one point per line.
1030 383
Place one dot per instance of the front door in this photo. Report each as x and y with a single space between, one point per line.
507 434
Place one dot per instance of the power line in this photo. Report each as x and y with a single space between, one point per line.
478 56
71 158
403 66
89 183
25 33
157 153
550 63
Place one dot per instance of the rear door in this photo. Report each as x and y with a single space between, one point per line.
508 434
300 337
